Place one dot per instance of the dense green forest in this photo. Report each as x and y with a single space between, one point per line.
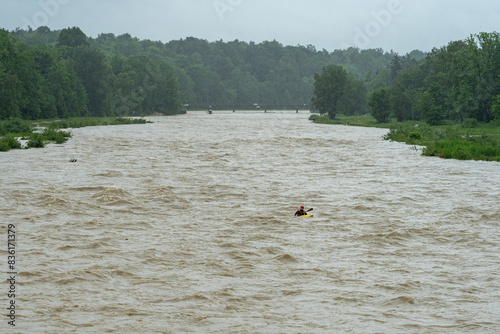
448 102
65 76
458 82
47 74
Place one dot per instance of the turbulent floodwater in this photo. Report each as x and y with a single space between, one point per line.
186 226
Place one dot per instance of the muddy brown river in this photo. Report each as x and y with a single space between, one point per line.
187 225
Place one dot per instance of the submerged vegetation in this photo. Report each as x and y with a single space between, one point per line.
80 122
39 134
9 142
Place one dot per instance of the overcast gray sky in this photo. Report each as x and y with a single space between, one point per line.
399 25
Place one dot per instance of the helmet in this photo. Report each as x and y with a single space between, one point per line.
302 207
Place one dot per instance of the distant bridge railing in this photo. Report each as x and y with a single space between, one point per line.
236 107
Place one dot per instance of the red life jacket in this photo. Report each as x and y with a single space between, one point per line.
301 212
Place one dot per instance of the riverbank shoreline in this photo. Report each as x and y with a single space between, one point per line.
469 140
23 134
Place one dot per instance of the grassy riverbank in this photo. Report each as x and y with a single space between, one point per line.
41 132
80 122
469 140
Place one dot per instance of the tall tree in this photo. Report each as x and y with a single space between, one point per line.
395 67
495 109
401 103
354 101
89 64
72 37
10 94
329 88
427 106
380 104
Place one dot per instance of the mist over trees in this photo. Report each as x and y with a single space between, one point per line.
122 75
47 74
238 74
457 82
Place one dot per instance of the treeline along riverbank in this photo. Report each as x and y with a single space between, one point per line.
72 78
458 82
121 75
452 95
47 74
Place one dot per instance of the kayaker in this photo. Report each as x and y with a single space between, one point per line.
301 212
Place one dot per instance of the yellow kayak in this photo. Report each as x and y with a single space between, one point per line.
306 216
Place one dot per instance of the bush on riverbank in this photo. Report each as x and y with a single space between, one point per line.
80 122
56 136
482 148
451 142
36 140
9 142
368 121
47 136
14 126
